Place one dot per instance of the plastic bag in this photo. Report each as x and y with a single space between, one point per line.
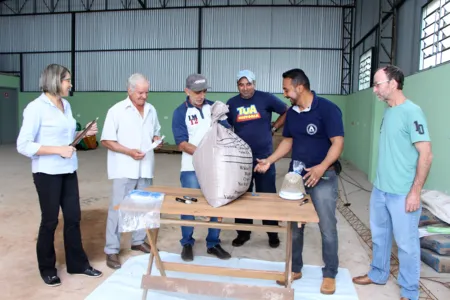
293 187
140 210
223 162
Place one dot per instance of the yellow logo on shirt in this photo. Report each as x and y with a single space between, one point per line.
247 113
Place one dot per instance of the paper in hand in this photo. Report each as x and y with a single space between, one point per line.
154 145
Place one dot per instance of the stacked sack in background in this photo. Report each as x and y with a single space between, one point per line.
435 249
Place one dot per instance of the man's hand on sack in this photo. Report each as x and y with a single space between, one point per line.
314 175
136 154
262 166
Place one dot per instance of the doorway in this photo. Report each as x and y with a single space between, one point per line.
9 126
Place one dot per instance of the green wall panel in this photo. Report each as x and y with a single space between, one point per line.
428 89
86 106
431 91
362 114
9 81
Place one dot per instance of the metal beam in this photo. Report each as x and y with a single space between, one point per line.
164 4
199 41
73 55
347 33
386 38
397 5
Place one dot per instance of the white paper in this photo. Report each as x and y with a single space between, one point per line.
154 145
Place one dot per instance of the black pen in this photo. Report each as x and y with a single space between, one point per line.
304 202
190 198
183 200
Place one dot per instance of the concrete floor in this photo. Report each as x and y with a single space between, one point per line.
20 217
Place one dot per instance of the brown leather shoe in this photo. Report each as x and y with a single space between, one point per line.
403 298
144 247
113 261
363 280
328 286
295 276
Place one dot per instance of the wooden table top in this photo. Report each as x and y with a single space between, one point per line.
263 206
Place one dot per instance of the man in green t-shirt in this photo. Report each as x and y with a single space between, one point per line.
404 160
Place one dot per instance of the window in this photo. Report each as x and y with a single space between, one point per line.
435 41
365 70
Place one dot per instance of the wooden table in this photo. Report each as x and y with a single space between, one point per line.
263 206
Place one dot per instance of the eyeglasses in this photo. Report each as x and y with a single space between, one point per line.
378 83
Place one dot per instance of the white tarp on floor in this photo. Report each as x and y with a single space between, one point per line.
125 283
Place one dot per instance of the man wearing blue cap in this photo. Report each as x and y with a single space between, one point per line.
250 114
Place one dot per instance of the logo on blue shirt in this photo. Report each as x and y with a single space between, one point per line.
247 113
311 129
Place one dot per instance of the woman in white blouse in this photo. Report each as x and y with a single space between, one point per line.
48 128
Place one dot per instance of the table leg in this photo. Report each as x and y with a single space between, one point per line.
152 240
288 270
152 236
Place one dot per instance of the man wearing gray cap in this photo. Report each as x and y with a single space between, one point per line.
250 114
191 120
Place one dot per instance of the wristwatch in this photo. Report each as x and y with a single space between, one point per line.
274 129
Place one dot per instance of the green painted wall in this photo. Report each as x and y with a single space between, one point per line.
431 91
362 114
362 123
87 106
9 81
428 89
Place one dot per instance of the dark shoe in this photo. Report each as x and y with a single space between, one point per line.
144 247
240 240
219 252
274 242
187 254
89 272
113 261
295 276
362 280
52 280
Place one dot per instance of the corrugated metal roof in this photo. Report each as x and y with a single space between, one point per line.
35 33
166 70
9 62
35 63
174 28
321 66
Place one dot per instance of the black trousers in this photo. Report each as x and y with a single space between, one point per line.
56 191
264 183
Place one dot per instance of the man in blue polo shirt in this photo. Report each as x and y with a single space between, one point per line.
191 120
250 114
315 132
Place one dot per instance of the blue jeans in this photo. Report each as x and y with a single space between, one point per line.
388 216
324 197
264 183
189 180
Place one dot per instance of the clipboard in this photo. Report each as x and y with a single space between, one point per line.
82 134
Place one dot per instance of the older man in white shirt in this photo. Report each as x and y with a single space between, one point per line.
131 126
